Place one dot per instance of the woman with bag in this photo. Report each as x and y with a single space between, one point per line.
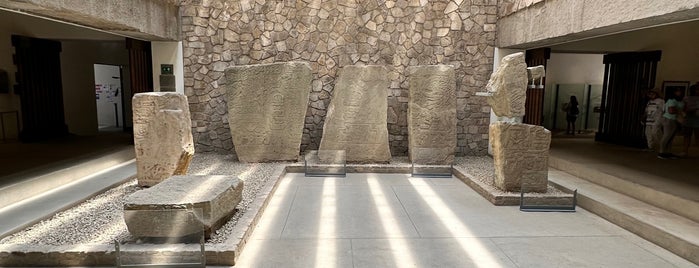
572 110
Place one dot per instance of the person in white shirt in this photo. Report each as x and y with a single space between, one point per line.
654 110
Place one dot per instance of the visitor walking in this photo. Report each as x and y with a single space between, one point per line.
673 107
691 120
572 110
654 111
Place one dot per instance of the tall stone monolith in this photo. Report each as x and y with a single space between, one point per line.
162 136
356 119
266 109
432 114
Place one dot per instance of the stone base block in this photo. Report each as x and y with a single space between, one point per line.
520 155
182 205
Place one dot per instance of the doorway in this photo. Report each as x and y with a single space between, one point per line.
108 97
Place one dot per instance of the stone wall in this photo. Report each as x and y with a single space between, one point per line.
333 34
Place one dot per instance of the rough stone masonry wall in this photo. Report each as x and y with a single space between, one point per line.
333 34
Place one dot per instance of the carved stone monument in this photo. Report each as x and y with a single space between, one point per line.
182 205
266 109
356 119
520 154
162 136
507 86
432 114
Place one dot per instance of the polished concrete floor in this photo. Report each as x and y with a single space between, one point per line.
678 176
387 220
20 160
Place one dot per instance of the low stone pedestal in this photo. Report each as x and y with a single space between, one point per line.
520 155
182 206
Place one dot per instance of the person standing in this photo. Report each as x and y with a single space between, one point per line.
572 111
691 121
673 107
654 111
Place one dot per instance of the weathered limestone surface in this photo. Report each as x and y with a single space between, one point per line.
144 19
162 136
520 154
182 205
508 86
356 120
432 114
266 109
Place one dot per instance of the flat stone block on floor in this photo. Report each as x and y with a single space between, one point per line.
182 205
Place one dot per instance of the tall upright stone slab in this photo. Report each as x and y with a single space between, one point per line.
432 114
162 136
356 119
508 86
520 155
266 109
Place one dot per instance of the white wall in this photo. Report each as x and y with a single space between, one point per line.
168 53
569 68
77 71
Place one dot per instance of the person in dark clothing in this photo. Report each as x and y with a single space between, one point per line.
572 110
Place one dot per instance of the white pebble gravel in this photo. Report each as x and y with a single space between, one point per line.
99 220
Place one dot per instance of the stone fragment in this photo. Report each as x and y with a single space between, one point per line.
162 136
356 119
266 109
508 85
520 154
432 114
182 205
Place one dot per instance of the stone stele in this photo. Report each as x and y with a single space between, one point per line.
432 114
521 156
162 136
356 119
508 86
266 109
182 205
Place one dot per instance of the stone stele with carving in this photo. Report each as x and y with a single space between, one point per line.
432 114
356 120
162 136
266 108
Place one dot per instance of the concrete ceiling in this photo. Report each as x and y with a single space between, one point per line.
638 40
28 25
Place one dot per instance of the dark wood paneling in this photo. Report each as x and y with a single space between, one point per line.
141 67
40 87
627 76
534 104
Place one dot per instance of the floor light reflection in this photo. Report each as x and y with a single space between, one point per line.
477 252
401 253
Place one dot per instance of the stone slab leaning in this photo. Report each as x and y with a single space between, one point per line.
356 119
508 86
432 114
266 108
520 156
162 136
182 205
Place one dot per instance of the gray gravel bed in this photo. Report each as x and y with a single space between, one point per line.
482 170
100 219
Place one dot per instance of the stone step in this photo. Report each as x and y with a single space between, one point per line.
32 210
35 182
673 232
644 187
